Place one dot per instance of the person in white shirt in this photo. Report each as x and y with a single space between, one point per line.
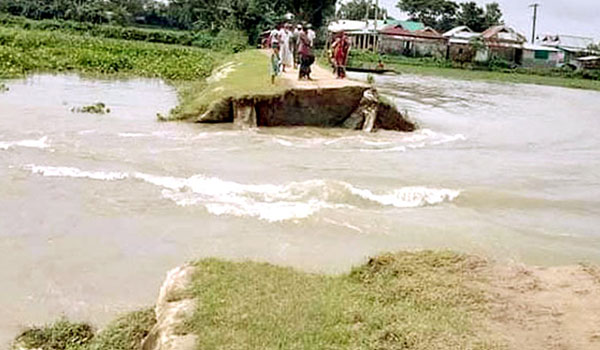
284 42
274 38
311 35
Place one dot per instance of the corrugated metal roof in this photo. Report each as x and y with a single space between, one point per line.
503 33
354 26
457 31
407 25
533 47
400 31
567 41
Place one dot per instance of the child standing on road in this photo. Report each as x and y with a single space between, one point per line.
275 63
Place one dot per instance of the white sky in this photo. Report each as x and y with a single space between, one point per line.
576 17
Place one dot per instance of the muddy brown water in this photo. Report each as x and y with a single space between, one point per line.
94 209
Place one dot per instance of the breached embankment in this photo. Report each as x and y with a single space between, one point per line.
237 94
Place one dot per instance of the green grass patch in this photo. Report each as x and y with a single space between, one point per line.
401 301
27 51
125 333
243 74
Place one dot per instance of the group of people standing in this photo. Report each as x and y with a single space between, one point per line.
292 49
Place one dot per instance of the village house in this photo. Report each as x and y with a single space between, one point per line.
502 42
412 39
537 56
363 34
460 48
571 46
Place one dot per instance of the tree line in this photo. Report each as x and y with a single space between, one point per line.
443 15
250 16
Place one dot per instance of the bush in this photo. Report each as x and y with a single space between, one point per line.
231 41
58 336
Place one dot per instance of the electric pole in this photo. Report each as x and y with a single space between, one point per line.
535 7
375 26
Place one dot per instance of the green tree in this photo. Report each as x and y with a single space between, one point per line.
493 15
471 16
357 10
438 14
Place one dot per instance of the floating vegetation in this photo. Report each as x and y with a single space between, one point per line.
98 108
3 88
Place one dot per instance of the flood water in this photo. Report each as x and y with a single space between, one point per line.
94 209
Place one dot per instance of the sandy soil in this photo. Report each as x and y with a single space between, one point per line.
545 308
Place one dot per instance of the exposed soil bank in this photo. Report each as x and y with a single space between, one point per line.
351 107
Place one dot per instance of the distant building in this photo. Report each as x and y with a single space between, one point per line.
363 34
537 56
502 42
412 39
572 46
588 62
460 48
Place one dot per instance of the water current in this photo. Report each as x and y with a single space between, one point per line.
94 209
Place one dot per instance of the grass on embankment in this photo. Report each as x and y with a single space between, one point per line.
242 74
402 301
416 301
125 333
28 51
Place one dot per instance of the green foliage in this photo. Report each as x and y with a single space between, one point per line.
125 333
357 10
446 14
62 335
24 51
249 16
97 108
416 301
438 14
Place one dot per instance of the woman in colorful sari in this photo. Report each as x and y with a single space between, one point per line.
341 48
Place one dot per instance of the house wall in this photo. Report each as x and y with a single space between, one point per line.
412 47
461 53
530 61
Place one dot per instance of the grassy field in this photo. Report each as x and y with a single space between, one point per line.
27 51
417 301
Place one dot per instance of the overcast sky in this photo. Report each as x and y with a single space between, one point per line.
576 17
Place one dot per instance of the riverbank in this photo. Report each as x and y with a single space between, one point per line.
424 300
445 69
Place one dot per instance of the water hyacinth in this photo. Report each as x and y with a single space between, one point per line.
26 51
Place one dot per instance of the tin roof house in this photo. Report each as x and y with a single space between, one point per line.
572 46
460 48
363 34
502 42
412 39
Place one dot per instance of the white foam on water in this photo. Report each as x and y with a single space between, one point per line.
132 135
41 143
269 202
50 171
408 197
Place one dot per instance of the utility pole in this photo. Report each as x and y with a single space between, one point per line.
375 25
535 7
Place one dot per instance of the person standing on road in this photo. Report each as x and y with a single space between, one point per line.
341 48
295 43
306 56
287 60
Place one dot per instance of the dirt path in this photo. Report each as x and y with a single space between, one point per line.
545 308
322 78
